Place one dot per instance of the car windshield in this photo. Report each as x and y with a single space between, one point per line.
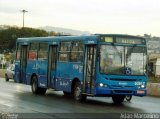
11 67
123 60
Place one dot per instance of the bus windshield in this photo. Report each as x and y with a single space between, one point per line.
122 60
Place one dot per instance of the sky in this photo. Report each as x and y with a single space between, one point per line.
134 17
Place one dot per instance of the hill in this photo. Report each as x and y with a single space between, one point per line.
64 31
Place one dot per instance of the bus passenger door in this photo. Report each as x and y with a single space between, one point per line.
89 69
23 64
52 66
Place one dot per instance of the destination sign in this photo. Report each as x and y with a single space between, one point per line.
123 40
129 41
107 39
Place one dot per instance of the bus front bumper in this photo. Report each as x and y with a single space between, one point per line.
100 91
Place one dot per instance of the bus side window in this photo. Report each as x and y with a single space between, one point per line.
64 52
43 51
77 52
33 51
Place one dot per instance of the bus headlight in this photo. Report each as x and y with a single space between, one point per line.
142 86
102 85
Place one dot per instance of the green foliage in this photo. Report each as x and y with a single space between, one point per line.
9 35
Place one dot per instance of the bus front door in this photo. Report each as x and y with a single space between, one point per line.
89 69
23 64
52 66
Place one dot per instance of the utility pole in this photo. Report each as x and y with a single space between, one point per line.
23 11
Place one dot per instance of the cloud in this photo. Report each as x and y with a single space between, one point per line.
92 15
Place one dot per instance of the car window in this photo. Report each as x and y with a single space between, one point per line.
8 67
12 67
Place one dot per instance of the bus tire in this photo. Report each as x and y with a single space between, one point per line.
118 99
6 78
78 96
128 98
35 88
34 85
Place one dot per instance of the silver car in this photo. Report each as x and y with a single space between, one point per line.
9 74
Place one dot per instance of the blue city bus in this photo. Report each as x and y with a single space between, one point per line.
110 65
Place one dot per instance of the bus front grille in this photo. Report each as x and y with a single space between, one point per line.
122 92
120 86
118 79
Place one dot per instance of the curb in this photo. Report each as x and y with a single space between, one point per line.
153 89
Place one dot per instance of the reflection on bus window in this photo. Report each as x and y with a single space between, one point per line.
116 59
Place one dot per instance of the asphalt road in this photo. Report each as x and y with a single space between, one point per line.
18 100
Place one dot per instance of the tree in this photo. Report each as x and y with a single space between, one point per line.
9 34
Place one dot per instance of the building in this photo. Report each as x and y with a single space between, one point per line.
155 66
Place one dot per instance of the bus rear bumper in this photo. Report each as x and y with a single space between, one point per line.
108 92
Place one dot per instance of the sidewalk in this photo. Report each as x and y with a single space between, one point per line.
153 89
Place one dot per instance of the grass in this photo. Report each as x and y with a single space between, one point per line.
2 73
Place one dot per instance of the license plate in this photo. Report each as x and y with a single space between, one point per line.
140 92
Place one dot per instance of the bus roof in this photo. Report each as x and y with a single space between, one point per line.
51 38
59 38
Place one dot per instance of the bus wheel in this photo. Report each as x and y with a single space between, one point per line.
6 77
35 88
118 99
78 93
128 98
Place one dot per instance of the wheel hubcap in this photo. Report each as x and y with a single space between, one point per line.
34 86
